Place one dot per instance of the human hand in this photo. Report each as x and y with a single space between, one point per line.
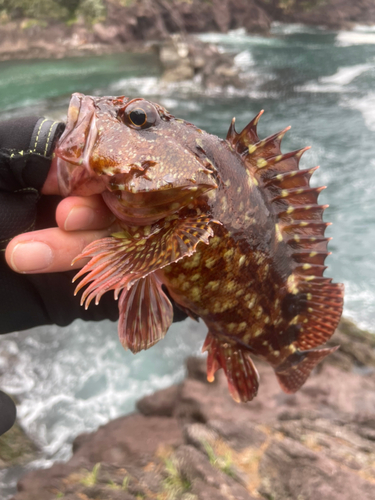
80 221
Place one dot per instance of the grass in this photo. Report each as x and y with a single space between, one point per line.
223 463
92 477
174 484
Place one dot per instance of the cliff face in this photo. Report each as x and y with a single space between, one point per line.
130 24
193 442
334 14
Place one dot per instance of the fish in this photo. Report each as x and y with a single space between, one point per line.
229 229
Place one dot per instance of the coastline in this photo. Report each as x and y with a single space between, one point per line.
136 27
192 441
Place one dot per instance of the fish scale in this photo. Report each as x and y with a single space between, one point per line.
229 229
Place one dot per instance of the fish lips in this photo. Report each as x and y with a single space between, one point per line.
74 148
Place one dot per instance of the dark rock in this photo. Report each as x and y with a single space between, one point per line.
196 369
194 466
239 435
129 439
334 14
199 435
290 470
195 440
357 347
37 481
161 403
183 58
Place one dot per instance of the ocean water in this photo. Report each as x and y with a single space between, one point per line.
70 380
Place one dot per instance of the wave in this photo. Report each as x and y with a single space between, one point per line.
75 379
366 105
349 38
337 82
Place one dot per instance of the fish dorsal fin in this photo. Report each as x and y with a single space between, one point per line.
299 231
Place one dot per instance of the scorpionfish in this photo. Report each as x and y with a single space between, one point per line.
230 230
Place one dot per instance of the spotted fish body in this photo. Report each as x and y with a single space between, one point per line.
230 229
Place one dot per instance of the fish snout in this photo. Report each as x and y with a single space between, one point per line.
74 149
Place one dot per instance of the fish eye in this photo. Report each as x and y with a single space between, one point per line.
138 117
140 114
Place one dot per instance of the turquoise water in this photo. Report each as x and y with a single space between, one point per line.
322 83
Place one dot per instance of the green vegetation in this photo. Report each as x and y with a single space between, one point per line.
125 483
223 463
15 447
289 6
38 12
92 477
46 10
174 484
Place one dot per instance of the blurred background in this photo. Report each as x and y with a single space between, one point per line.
310 65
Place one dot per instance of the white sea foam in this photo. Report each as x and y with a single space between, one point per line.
72 380
278 28
347 74
366 105
359 37
244 60
337 82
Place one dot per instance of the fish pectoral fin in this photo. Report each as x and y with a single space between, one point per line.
295 370
242 376
146 313
118 261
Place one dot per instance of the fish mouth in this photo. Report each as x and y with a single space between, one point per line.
144 208
74 149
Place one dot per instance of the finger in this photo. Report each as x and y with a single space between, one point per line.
83 213
51 185
49 250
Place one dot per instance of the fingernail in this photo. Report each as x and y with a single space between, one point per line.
31 256
79 218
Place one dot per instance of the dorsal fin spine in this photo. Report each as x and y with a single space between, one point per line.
278 137
278 178
232 134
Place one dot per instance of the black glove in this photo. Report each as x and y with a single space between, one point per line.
29 300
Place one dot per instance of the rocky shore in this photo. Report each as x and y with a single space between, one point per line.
133 25
193 442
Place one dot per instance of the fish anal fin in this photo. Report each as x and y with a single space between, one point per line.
146 313
295 370
242 376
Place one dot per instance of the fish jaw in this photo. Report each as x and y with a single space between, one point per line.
75 147
149 207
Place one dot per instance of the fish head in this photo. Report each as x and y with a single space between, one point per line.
146 163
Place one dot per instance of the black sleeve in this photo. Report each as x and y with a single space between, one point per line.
26 147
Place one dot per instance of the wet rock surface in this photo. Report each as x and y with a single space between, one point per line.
185 58
193 442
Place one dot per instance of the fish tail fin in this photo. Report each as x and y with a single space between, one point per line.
295 370
242 376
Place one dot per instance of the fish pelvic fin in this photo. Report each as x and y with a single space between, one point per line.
242 376
146 313
295 370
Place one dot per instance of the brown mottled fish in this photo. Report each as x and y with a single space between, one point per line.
230 229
